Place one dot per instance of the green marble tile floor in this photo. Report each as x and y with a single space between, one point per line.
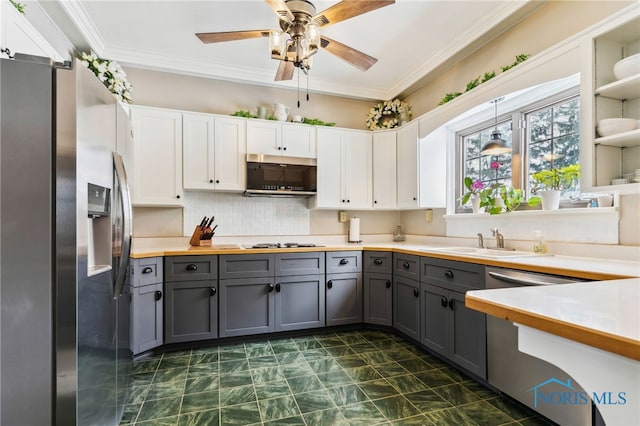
361 377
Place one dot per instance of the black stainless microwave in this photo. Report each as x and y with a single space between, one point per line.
273 175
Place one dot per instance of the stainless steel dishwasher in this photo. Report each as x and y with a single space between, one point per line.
516 373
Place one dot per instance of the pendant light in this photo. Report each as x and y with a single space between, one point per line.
496 144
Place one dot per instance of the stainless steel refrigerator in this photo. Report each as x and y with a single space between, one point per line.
65 231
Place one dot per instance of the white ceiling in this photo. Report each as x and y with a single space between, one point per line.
411 39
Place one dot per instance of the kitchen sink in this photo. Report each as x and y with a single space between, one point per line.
481 252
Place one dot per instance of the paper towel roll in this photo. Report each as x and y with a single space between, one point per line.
354 230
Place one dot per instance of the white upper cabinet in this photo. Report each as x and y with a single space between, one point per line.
615 155
344 169
284 139
432 172
19 36
407 164
157 157
214 150
384 170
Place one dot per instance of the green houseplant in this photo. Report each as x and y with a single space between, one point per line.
550 183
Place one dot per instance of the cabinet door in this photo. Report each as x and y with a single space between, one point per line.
357 175
469 342
344 299
20 36
146 317
407 162
330 168
299 302
384 170
436 333
406 307
191 311
198 151
247 306
230 154
298 140
264 137
378 299
157 157
433 168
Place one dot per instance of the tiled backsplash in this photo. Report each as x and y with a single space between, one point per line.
237 215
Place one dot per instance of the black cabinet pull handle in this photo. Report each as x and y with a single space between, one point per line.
343 201
377 261
210 180
344 261
217 180
192 267
279 148
451 304
158 295
329 284
375 202
147 270
270 286
443 302
448 274
406 265
285 148
212 291
414 198
416 292
177 196
278 287
348 201
388 284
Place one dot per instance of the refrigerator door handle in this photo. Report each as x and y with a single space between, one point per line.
125 199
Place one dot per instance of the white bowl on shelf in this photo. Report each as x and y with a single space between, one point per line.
627 67
613 126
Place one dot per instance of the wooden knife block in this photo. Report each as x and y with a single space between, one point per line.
195 238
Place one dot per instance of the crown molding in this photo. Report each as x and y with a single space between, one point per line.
81 19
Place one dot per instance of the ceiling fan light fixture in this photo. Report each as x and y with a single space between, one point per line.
277 44
312 36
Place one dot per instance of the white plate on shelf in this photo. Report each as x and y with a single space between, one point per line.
627 67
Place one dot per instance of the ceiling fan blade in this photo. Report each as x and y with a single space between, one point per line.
231 36
347 9
285 71
281 9
358 59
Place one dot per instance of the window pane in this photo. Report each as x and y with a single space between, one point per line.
539 125
566 120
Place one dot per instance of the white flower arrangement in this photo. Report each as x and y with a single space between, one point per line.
388 114
110 74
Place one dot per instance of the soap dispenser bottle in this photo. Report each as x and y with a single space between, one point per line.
398 235
539 246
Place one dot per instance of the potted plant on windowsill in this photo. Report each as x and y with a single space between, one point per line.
550 183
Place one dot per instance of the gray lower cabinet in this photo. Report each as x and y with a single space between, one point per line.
448 327
378 291
247 306
299 302
406 294
145 277
190 298
406 306
262 293
344 288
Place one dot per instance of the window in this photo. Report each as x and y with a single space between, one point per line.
549 138
553 138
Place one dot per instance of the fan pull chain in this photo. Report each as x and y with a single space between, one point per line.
298 88
307 87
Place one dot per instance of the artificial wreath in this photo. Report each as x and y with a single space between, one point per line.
388 114
110 74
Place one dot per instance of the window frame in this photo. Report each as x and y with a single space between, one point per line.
519 143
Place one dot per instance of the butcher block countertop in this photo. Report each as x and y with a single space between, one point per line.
604 314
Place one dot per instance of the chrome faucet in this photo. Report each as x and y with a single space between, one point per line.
499 237
480 240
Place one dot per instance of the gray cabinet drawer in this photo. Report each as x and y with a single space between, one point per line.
378 262
247 265
145 271
407 266
311 263
339 262
190 268
457 276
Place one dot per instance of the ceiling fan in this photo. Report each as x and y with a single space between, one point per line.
299 38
